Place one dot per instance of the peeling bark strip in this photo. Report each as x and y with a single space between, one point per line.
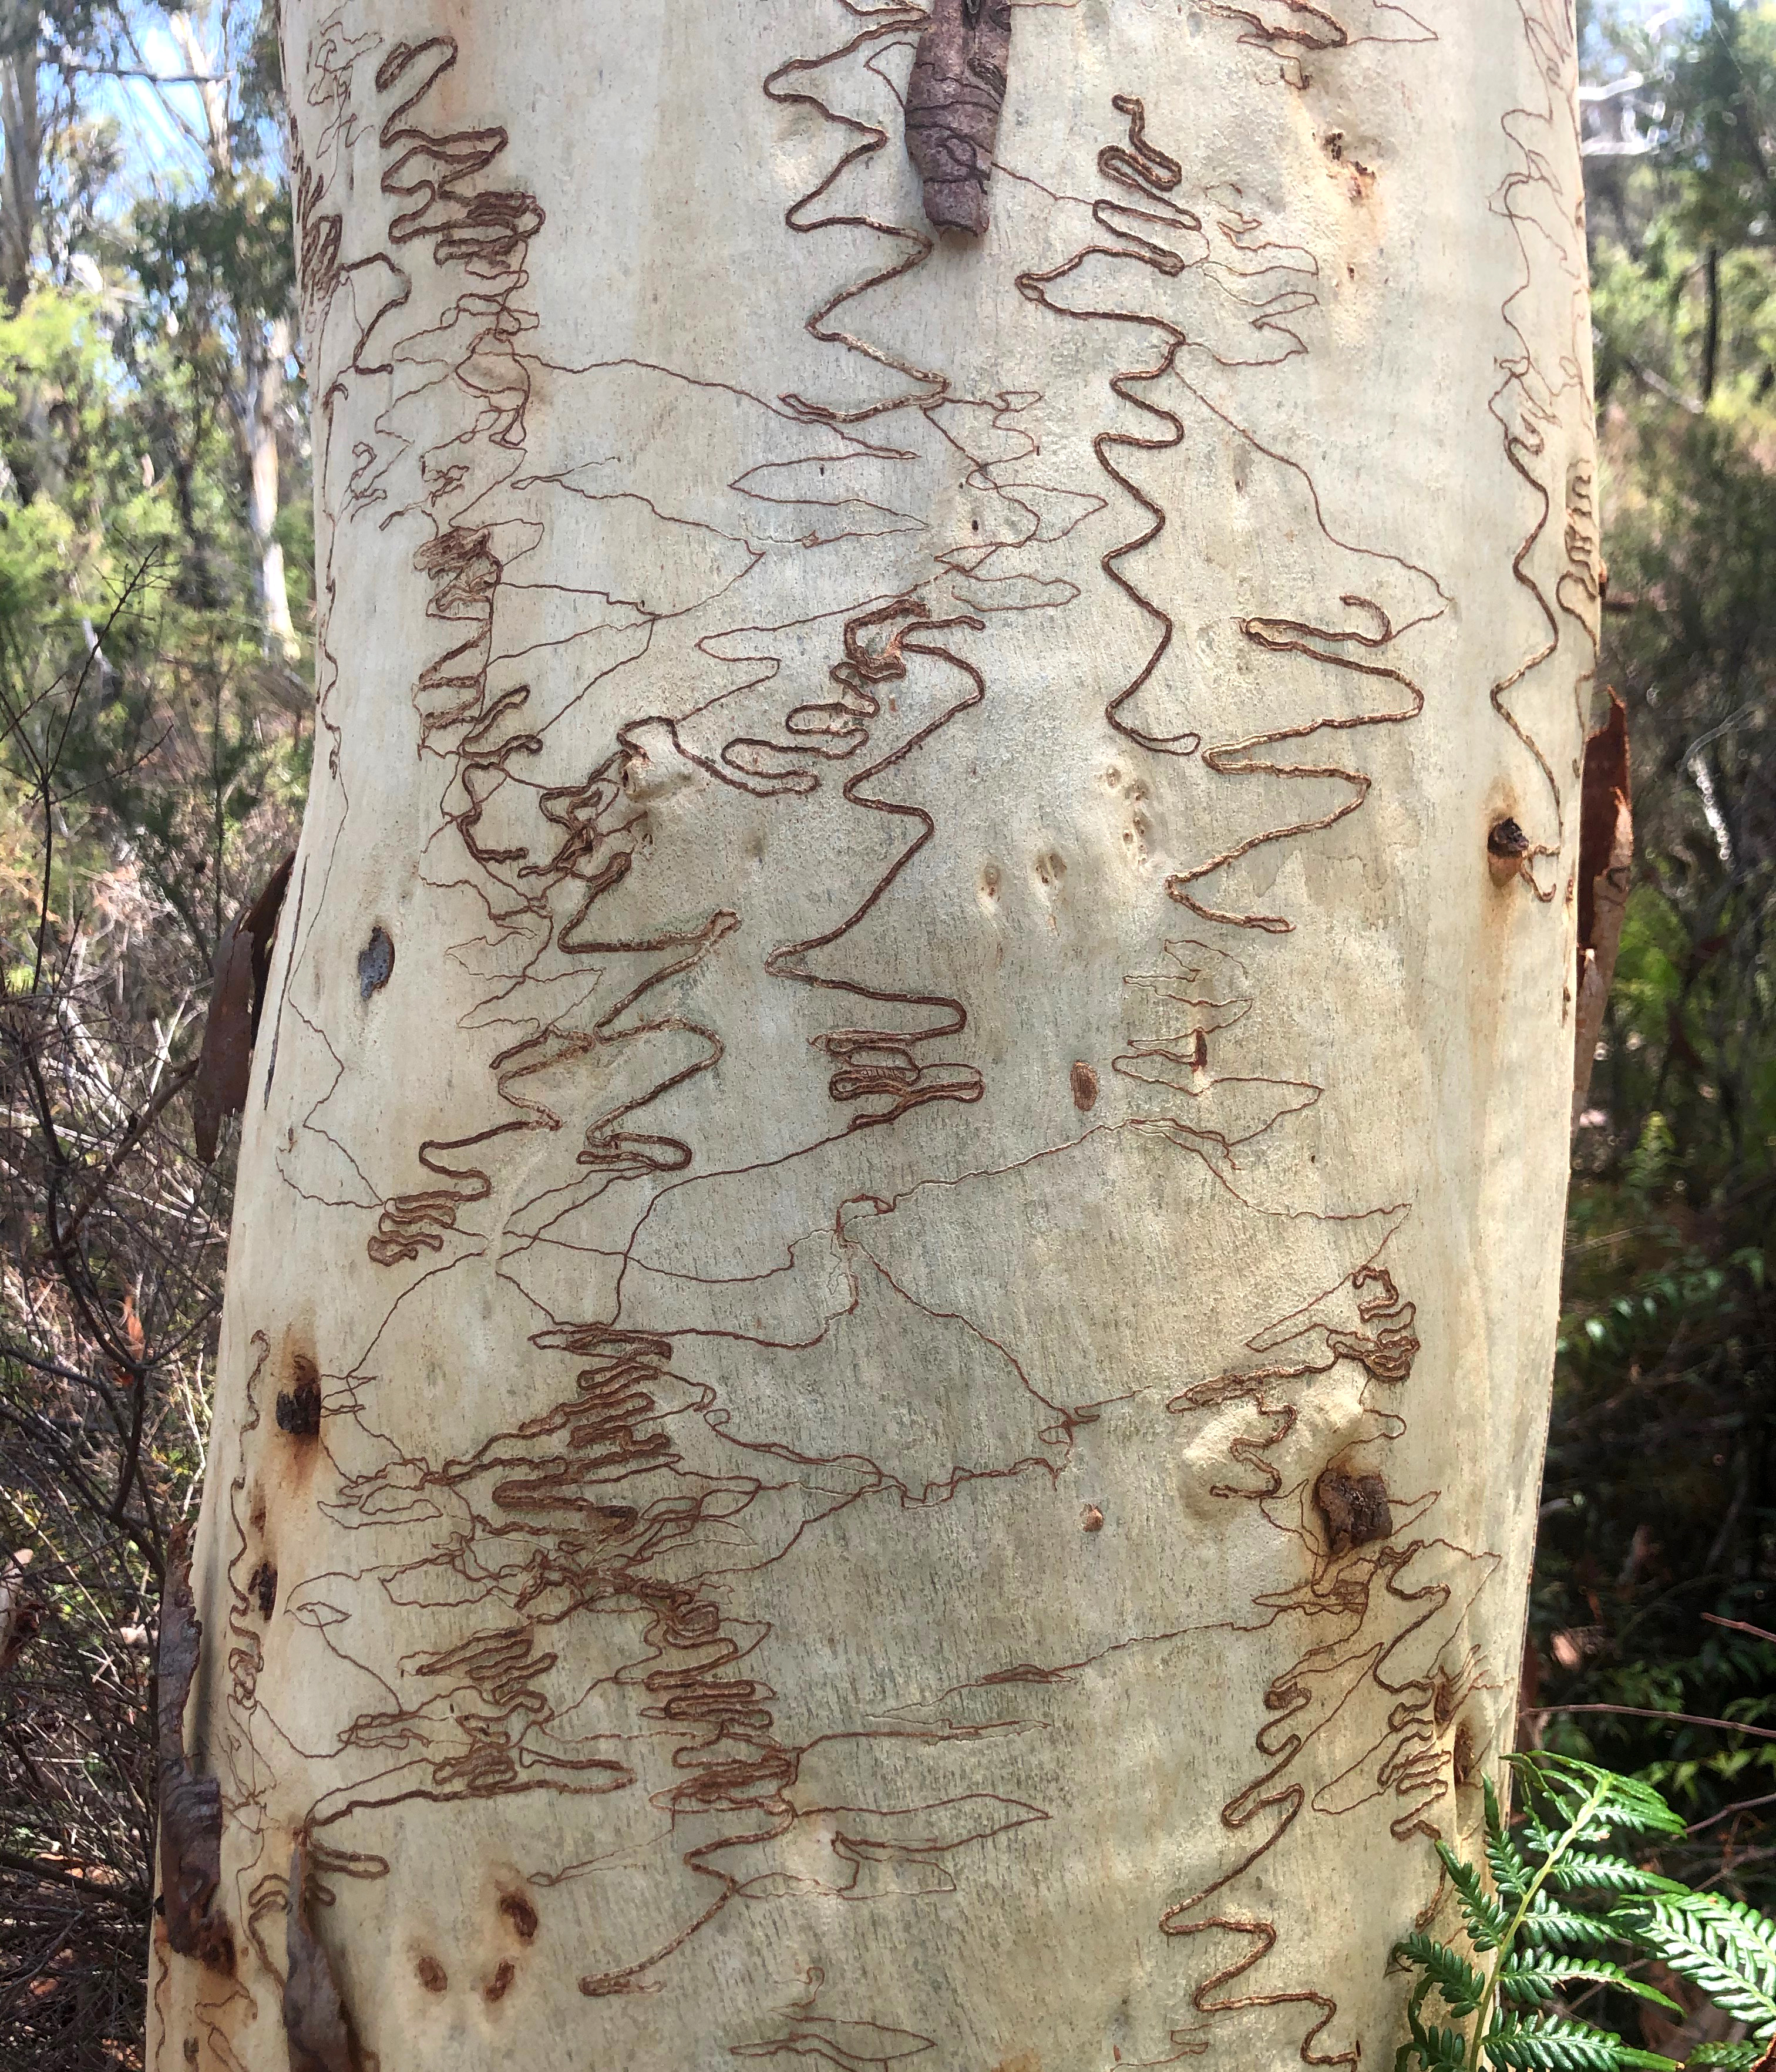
190 1807
1606 855
315 2019
237 995
953 99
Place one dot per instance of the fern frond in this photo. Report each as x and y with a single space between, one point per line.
1558 2043
1533 1979
1581 1872
1434 2049
1725 1947
1509 1873
1623 1802
1727 2057
1459 1983
1485 1918
1550 1927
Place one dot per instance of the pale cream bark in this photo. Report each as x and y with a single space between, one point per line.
889 1317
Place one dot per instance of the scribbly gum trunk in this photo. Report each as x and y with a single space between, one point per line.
888 1326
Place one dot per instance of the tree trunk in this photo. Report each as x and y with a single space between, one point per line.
21 130
897 1253
264 391
264 348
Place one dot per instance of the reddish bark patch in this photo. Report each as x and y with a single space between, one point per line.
519 1912
496 1987
433 1975
1085 1087
237 997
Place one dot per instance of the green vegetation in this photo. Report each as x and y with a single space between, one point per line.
1557 1908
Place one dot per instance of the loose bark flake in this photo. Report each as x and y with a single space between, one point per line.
237 996
1606 853
315 2018
191 1806
953 99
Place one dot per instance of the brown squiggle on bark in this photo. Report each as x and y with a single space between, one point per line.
1153 174
1303 25
874 1065
884 22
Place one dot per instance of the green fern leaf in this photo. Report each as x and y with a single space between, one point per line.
1485 1918
1558 2043
1510 1874
1723 1947
1459 1982
1550 1927
1448 2051
1583 1873
1727 2057
1431 2049
1533 1980
1624 1803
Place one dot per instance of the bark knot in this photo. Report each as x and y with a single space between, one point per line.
1356 1509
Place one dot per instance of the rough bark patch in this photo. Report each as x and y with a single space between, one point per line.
953 99
315 2018
190 1807
376 963
298 1411
1507 847
262 1586
1356 1509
